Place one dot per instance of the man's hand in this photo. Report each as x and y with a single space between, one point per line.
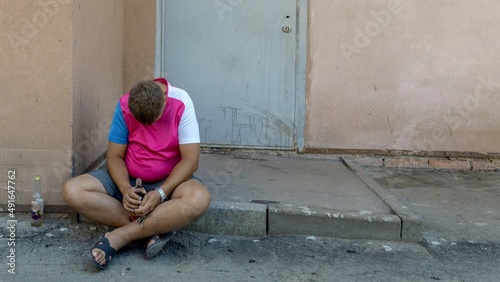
150 201
133 198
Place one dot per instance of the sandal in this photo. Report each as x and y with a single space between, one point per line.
158 244
103 245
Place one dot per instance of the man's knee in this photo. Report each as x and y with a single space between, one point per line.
74 190
200 199
193 200
70 191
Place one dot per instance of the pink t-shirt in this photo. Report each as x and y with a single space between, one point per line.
153 150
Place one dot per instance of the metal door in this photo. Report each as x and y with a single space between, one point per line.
237 60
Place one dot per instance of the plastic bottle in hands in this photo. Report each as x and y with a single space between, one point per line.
137 190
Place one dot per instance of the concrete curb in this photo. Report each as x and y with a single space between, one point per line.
288 220
260 220
411 224
231 218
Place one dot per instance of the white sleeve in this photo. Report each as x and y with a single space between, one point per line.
189 131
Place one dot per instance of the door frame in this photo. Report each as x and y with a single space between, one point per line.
300 65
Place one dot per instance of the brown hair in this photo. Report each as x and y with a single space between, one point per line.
146 100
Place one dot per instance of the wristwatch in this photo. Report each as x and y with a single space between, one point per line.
162 194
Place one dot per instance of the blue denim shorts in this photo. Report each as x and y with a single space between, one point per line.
105 178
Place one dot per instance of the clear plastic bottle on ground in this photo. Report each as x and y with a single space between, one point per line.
37 204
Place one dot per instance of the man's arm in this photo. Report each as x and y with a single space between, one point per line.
190 154
119 174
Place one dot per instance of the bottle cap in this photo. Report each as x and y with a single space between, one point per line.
37 177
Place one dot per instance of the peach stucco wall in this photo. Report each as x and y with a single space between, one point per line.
36 85
97 76
418 75
139 41
61 72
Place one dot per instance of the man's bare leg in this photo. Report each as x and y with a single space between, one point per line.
188 201
86 195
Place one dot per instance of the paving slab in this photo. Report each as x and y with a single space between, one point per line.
297 180
455 206
300 194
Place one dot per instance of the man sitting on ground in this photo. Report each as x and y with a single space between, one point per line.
154 136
